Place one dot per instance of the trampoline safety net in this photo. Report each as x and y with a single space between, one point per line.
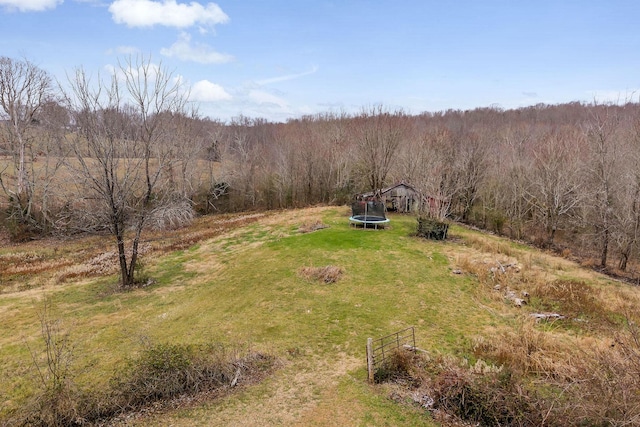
372 210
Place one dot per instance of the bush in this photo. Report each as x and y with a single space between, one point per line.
56 401
495 398
399 366
433 229
166 371
482 394
158 375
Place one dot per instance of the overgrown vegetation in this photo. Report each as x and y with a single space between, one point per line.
56 403
167 371
158 375
584 386
431 228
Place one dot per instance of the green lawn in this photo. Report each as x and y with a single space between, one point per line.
243 288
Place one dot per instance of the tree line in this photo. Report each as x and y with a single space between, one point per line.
128 151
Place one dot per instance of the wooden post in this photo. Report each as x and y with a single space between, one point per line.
370 367
413 337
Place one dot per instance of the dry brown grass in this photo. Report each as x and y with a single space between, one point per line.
582 366
52 260
311 226
491 244
326 274
534 378
102 264
577 301
530 350
289 400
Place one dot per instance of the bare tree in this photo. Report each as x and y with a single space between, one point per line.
626 233
126 155
431 160
24 90
336 157
512 174
215 184
378 135
602 175
470 165
243 173
555 190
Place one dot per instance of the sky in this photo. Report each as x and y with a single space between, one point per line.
281 59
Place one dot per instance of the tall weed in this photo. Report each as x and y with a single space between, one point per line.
56 401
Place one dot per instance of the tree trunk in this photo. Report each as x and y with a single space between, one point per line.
605 249
122 257
623 261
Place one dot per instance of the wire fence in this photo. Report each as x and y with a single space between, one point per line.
380 349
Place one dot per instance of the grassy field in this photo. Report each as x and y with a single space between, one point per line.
236 280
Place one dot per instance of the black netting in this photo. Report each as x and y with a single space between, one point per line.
368 211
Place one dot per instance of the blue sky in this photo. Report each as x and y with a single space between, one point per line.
280 59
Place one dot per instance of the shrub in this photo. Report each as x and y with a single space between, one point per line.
482 394
166 371
431 228
399 366
56 401
158 375
495 398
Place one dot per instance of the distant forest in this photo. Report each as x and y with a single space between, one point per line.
564 177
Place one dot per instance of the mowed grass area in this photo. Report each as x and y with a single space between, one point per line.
242 287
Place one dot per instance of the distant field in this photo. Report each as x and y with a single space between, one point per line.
57 168
235 279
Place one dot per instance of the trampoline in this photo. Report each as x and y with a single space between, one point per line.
368 214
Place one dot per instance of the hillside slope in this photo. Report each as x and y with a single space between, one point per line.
242 286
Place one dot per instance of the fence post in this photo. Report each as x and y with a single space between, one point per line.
370 359
413 336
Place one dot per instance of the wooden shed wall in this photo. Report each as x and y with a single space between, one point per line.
401 199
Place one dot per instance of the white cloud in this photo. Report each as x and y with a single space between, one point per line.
205 91
287 77
204 54
147 13
262 97
30 5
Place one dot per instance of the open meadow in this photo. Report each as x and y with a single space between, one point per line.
239 281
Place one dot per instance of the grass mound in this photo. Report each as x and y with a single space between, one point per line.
326 274
311 226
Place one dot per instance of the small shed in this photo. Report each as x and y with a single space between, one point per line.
400 197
